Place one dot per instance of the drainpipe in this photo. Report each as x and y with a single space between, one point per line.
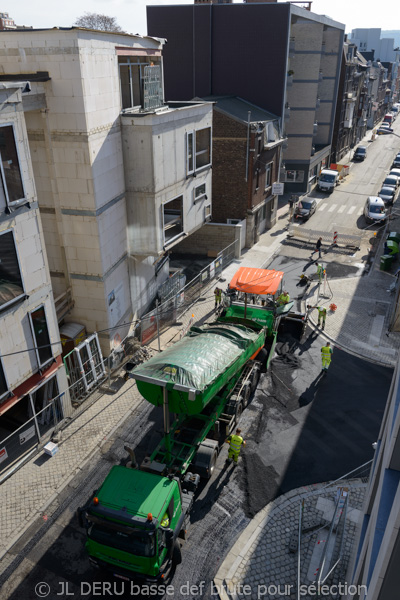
248 144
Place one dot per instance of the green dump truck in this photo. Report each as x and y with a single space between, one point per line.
138 517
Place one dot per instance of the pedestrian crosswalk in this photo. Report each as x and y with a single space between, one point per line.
334 208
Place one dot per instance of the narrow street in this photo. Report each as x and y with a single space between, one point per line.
301 428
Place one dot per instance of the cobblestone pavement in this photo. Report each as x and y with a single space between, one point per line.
264 561
26 494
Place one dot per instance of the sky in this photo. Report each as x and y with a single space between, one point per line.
131 14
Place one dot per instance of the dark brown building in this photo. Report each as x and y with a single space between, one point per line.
246 155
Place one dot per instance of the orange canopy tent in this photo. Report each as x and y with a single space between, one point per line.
261 282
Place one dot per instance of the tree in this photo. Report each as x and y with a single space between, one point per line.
98 21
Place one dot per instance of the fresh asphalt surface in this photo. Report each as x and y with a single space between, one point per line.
301 428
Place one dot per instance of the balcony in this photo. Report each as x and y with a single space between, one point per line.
289 78
318 102
315 128
287 112
320 76
348 123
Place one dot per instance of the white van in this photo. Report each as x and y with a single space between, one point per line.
327 180
374 210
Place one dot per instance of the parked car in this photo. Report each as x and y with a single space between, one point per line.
390 181
374 210
384 130
396 163
305 209
327 180
386 125
360 153
395 173
387 194
388 118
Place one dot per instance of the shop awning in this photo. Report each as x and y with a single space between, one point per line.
261 282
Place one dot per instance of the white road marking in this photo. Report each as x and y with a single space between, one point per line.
351 210
341 209
323 207
332 208
360 211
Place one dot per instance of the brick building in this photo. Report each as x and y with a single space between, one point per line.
247 146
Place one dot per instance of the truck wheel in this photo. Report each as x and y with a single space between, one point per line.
176 553
246 392
239 410
254 379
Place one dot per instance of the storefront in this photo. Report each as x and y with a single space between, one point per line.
30 413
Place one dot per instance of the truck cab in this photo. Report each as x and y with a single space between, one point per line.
133 523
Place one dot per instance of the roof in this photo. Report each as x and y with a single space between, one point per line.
256 281
139 492
239 109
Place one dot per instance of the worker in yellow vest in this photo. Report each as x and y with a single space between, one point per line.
321 315
165 521
284 298
235 442
320 272
326 355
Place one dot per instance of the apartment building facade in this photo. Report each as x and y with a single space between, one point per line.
284 59
32 374
247 153
375 569
106 160
354 103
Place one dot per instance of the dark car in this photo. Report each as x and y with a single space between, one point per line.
387 194
384 130
305 209
396 163
360 153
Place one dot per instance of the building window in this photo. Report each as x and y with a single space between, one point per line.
207 212
189 153
257 179
294 176
200 193
198 150
11 286
140 83
203 148
41 336
12 189
3 382
173 219
268 176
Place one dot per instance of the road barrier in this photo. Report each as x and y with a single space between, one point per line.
343 237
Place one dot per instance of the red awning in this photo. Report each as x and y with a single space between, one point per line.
261 282
30 384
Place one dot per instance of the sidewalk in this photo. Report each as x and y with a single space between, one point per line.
264 561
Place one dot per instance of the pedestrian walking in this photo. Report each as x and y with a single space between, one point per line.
320 272
235 442
317 248
284 298
218 296
326 355
321 315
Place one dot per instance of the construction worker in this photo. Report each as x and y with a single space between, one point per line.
320 272
218 296
235 442
326 355
321 315
284 298
165 521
